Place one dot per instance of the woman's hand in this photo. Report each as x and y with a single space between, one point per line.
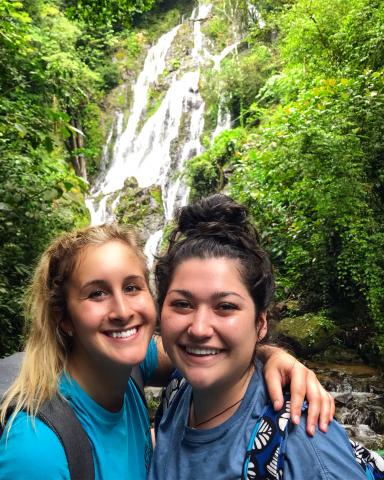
281 368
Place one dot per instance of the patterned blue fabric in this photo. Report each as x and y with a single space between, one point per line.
371 462
264 458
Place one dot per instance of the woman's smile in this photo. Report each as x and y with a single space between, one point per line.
208 322
110 308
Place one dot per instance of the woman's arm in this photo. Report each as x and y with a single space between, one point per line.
164 368
280 369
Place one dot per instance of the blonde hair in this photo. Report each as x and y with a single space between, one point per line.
47 345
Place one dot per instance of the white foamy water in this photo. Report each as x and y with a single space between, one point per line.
144 149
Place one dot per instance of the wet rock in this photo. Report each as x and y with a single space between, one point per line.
338 354
342 398
141 208
358 390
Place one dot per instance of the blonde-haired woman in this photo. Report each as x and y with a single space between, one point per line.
91 319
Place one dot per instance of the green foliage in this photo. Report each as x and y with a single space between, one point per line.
210 91
164 15
310 92
156 94
92 117
118 13
205 173
137 204
307 333
242 76
216 29
133 48
347 36
44 83
39 198
308 181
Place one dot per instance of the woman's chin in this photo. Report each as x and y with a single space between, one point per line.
200 382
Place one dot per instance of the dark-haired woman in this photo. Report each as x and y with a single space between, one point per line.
214 285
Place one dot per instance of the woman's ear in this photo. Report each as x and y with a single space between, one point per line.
67 327
261 325
63 322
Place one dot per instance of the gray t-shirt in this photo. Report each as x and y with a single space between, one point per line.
183 453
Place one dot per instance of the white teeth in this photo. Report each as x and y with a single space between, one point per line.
123 334
202 351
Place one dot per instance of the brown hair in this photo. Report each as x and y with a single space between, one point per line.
217 226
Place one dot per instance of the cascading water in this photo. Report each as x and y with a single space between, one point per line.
143 149
130 145
358 391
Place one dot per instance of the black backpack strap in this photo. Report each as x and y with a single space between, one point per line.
138 381
60 417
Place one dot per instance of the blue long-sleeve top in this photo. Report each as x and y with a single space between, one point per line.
218 453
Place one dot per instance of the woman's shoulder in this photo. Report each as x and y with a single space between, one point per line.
30 449
324 456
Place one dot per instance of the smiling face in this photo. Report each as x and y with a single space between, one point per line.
110 308
208 323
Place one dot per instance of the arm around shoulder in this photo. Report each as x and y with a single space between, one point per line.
31 451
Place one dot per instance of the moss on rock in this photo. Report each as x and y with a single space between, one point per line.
308 333
141 208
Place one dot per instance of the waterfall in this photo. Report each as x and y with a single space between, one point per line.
152 246
145 147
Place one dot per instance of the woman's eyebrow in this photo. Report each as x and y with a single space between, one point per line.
219 295
214 296
102 281
95 282
134 278
180 291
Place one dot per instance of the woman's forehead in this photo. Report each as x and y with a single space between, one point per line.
106 259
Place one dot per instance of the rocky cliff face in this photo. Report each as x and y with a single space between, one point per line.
157 126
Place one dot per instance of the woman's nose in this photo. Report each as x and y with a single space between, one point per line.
201 324
120 308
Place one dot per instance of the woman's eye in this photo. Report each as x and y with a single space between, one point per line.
97 294
131 288
181 304
226 307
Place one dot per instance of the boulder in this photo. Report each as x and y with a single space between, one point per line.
308 333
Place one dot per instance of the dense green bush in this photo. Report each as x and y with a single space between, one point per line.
55 72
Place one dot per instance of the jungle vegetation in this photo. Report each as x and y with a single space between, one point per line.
56 64
306 154
305 151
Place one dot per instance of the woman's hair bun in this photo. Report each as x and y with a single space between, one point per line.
217 212
217 227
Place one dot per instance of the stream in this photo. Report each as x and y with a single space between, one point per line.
358 391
